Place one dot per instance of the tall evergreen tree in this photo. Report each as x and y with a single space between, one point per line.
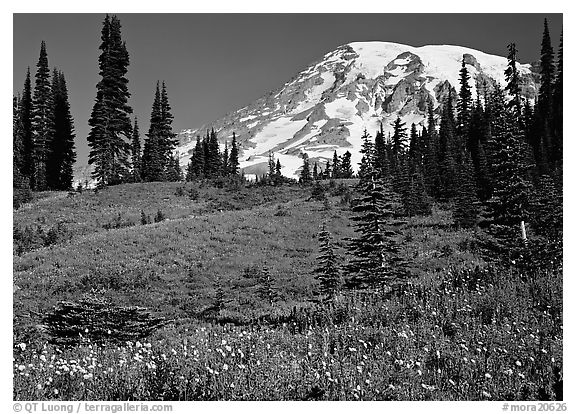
376 261
278 170
335 166
513 84
18 179
448 148
225 160
153 161
233 159
60 164
557 108
42 121
346 166
305 176
466 205
380 154
547 70
464 101
431 166
25 116
366 169
110 122
169 141
136 153
213 161
399 137
327 270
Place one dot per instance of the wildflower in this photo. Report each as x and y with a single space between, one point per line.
55 391
428 387
86 330
232 385
21 367
518 364
225 367
109 332
22 346
487 375
419 372
486 394
452 382
39 386
87 376
228 348
352 349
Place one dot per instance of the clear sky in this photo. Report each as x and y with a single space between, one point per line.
215 63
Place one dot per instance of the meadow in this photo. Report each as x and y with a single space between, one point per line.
463 328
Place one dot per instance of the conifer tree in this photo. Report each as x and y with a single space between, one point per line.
366 168
168 141
346 166
173 171
327 270
466 202
557 108
18 179
42 121
213 164
327 170
136 153
431 166
335 165
464 101
233 159
375 252
60 163
399 137
305 176
380 154
278 170
25 116
196 165
546 209
153 162
315 172
547 70
110 124
271 166
513 84
448 148
225 160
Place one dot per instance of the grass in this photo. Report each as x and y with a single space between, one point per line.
464 330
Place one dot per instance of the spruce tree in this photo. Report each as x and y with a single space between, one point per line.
335 166
278 171
153 162
327 270
233 159
315 175
60 164
25 116
464 101
327 171
168 141
225 160
376 261
136 153
18 179
513 84
557 109
305 176
448 148
399 137
466 202
366 169
110 123
431 166
42 121
346 166
547 70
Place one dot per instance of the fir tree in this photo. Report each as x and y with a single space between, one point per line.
380 154
547 70
278 170
225 160
366 170
557 109
327 270
327 170
335 166
25 115
60 163
399 137
213 165
448 148
110 123
305 176
168 141
233 159
136 153
513 84
315 175
153 162
431 166
375 261
464 101
173 171
18 179
346 166
42 121
466 205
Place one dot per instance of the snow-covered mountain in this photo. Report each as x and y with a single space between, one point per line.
326 106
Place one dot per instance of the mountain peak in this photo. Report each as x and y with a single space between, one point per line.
357 86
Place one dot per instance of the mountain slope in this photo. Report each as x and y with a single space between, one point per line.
359 85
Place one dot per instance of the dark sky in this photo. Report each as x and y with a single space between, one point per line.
216 63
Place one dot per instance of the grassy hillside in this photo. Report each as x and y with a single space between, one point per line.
418 344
